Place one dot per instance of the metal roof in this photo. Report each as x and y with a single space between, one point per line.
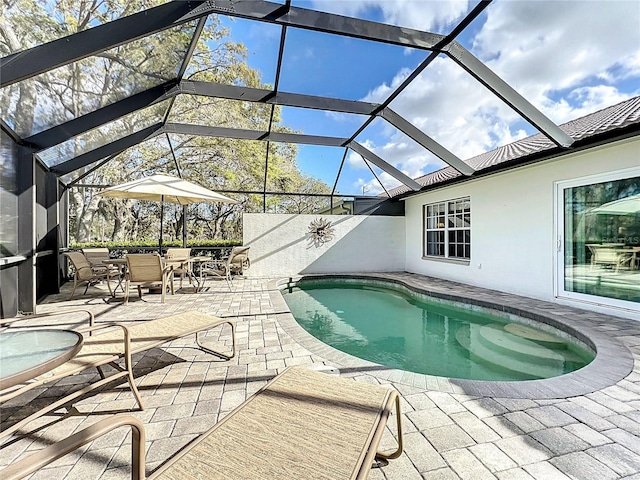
614 121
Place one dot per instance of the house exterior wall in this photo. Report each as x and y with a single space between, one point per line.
513 221
281 244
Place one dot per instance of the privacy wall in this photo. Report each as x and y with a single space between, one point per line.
282 245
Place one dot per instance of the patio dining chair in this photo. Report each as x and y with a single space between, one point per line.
217 269
96 256
236 262
147 270
177 257
85 272
611 255
239 260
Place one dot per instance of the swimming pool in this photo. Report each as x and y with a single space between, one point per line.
389 325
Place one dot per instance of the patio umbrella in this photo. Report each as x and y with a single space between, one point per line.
164 188
623 206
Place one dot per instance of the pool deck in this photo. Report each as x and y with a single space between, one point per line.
585 426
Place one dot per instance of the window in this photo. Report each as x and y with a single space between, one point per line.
447 229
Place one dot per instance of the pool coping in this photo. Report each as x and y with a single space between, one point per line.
613 361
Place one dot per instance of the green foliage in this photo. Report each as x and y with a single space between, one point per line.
220 164
151 244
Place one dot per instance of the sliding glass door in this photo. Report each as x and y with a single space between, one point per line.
599 239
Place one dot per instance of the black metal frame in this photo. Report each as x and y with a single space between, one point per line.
28 63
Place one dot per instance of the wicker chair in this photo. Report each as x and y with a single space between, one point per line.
147 270
84 272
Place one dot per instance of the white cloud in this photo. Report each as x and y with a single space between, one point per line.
354 160
568 58
422 15
584 100
339 117
452 108
631 65
551 50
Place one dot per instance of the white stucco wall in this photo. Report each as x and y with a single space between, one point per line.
513 244
281 246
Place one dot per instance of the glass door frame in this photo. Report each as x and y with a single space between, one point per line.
559 229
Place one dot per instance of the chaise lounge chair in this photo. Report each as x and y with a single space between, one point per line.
120 342
301 425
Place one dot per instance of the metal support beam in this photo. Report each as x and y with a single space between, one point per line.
426 141
377 179
326 22
186 60
247 94
33 61
384 165
77 126
504 91
173 155
192 47
276 84
11 133
91 170
27 206
49 239
478 9
106 150
335 184
242 134
239 192
109 113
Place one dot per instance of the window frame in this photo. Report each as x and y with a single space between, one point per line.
440 217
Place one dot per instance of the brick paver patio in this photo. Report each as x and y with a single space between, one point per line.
450 433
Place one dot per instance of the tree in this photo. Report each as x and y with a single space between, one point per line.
73 90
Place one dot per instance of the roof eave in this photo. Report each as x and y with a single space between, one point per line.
552 153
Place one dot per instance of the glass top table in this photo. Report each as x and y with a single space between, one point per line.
25 354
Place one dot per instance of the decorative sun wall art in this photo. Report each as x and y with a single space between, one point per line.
321 231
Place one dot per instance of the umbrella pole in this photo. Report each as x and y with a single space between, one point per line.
184 226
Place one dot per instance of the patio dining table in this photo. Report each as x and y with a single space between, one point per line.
26 354
121 263
187 264
181 263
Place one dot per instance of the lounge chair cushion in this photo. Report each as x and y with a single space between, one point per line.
302 425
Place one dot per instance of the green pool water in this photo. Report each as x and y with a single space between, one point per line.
395 329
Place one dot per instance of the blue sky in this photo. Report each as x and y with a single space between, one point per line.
568 58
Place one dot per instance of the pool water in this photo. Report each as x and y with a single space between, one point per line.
392 328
